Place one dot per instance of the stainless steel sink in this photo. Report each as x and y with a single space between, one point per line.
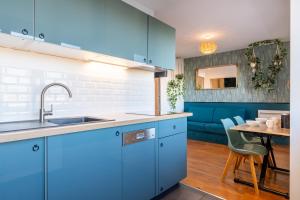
77 120
36 124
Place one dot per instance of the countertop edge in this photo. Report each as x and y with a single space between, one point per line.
60 130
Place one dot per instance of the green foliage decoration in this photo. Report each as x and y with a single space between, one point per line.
175 90
264 77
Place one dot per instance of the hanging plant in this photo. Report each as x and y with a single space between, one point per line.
264 77
175 90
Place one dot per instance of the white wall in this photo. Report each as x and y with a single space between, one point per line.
165 106
97 88
295 101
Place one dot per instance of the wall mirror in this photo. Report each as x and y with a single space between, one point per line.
216 77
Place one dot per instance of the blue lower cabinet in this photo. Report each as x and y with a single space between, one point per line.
22 170
139 163
172 166
172 126
85 165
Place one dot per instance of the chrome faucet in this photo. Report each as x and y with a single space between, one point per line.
43 112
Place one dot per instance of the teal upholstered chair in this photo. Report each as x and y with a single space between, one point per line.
242 150
248 138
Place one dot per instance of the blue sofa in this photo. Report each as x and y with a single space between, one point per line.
205 124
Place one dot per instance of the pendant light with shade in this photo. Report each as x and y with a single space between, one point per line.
208 47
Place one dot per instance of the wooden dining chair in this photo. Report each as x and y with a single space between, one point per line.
239 149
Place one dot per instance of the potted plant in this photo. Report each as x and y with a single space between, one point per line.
175 90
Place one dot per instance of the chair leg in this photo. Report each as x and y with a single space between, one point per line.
254 179
237 163
228 163
258 160
243 159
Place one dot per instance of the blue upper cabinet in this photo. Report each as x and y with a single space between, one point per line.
85 165
125 31
161 44
73 23
16 17
109 27
22 170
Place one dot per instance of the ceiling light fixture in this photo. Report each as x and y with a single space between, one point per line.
208 36
208 47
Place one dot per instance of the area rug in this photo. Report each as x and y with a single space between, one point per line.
184 192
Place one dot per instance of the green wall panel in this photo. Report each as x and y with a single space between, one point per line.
245 91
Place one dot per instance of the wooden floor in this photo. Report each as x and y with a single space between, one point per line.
205 165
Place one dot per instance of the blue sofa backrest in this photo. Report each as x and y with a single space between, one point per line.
201 114
213 115
223 110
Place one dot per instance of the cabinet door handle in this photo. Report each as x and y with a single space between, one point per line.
117 133
150 61
145 60
174 127
42 36
70 46
35 147
24 31
161 144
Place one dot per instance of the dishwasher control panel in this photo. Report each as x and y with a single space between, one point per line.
138 136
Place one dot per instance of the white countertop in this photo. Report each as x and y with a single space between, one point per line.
120 120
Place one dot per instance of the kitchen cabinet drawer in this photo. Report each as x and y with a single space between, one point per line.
16 17
85 165
172 126
22 170
161 44
172 161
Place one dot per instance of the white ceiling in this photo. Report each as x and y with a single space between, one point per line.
233 23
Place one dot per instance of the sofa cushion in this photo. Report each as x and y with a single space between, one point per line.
215 128
196 126
201 114
222 113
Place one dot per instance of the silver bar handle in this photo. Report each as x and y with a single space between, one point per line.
70 46
20 35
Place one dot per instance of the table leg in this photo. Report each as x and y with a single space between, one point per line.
274 165
261 183
265 164
286 195
273 157
264 144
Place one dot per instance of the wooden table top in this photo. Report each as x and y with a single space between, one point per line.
263 129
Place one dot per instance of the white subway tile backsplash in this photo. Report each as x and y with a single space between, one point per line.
17 72
98 89
24 81
9 79
9 98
